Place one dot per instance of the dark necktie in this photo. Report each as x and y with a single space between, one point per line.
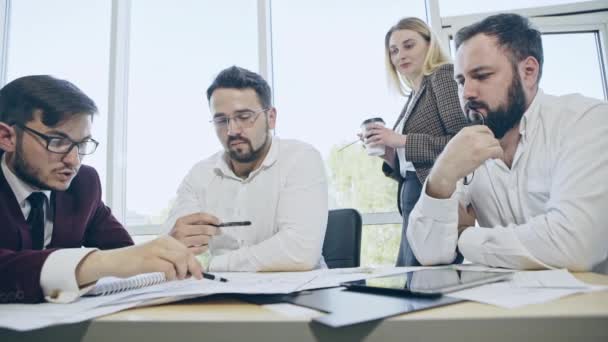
36 219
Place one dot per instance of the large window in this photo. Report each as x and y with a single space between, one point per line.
176 49
329 75
563 76
43 40
328 63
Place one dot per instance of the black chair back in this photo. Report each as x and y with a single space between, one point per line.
342 244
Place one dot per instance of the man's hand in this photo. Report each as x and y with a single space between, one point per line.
466 218
164 254
380 135
464 153
195 231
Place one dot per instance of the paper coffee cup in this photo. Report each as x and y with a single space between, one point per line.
377 150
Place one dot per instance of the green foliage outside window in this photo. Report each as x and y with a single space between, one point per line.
357 182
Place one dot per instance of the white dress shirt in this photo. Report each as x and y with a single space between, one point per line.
58 275
404 164
285 198
550 210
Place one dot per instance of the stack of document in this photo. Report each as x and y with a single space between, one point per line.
24 317
524 288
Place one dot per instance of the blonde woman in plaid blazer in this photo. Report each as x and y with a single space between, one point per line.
422 72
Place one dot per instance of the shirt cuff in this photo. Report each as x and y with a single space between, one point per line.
470 244
58 275
442 210
497 247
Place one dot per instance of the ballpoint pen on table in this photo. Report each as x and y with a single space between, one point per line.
214 277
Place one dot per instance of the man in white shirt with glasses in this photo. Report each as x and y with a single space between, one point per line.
277 187
535 175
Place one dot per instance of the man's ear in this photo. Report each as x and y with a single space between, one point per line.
529 70
8 137
272 117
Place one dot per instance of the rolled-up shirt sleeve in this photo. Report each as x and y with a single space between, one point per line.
433 228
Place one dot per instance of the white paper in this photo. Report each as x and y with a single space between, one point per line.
33 316
548 279
527 287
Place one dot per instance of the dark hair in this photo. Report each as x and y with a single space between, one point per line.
240 78
58 99
513 32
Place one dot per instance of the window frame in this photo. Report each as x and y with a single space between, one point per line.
5 10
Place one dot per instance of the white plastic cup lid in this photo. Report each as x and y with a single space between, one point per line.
372 120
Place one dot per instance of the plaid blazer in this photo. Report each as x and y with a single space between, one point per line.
432 119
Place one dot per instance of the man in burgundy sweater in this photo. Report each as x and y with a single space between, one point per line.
50 204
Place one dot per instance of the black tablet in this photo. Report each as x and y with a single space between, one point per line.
427 283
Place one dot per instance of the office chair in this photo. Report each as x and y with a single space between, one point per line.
342 244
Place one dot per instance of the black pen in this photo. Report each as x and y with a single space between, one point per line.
214 277
233 224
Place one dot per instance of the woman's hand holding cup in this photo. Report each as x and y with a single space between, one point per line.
373 145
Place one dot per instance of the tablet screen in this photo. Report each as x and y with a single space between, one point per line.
429 281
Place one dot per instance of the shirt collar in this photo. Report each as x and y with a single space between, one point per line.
21 189
222 167
531 114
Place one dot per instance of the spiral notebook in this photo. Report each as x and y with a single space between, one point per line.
110 285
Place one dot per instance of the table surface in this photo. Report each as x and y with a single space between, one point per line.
577 317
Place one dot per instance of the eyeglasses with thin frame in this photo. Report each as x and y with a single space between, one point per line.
63 145
242 119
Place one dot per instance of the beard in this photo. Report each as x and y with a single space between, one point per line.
25 171
505 117
249 154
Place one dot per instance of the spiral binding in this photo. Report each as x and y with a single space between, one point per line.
110 286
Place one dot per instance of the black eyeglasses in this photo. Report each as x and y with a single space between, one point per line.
63 145
244 119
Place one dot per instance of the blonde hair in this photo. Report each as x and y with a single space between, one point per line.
435 56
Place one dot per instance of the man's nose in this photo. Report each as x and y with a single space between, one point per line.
469 90
233 127
72 158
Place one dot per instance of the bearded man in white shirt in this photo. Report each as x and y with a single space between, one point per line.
534 176
278 185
